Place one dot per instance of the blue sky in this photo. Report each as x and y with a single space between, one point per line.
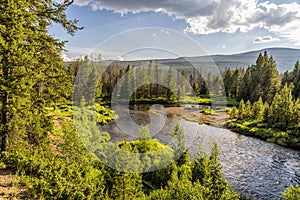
218 26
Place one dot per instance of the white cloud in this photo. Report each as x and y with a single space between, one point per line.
224 47
154 35
120 58
66 58
265 39
211 16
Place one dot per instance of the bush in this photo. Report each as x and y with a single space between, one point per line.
292 193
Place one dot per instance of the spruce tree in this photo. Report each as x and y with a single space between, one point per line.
28 67
248 110
282 110
295 77
127 186
241 112
258 109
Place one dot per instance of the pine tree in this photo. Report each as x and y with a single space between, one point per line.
246 85
227 82
295 77
258 109
233 113
127 186
235 82
282 110
248 110
27 76
171 84
260 80
242 110
180 150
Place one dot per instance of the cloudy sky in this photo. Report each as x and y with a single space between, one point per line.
218 26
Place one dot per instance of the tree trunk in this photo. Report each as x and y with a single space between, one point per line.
4 122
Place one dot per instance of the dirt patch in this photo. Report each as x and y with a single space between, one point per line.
217 119
9 189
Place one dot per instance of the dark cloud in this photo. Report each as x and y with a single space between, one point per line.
210 16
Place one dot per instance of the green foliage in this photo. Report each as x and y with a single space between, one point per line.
179 189
283 111
292 193
204 182
242 110
233 113
232 82
31 69
260 129
207 170
127 186
104 114
260 80
248 110
208 112
69 172
258 109
293 77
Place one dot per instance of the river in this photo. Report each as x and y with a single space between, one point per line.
254 168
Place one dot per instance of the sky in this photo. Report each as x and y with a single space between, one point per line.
138 29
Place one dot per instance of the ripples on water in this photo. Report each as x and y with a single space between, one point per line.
254 168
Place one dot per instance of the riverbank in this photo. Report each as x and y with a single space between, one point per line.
217 118
202 100
249 127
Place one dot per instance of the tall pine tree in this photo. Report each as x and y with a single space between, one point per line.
31 67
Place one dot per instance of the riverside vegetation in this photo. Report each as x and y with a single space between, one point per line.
40 144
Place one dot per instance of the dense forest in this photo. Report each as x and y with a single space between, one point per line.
41 145
269 105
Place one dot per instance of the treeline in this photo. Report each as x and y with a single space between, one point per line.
149 82
260 80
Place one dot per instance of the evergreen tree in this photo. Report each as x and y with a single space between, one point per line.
171 83
258 109
180 151
295 78
248 110
227 82
207 171
282 110
27 77
233 113
246 86
242 110
127 186
260 80
235 82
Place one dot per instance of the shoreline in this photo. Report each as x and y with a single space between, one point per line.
222 120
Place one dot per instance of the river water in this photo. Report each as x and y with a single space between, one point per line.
254 168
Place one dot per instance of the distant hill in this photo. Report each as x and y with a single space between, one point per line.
285 59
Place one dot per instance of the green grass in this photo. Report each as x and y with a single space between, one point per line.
189 98
255 128
208 112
